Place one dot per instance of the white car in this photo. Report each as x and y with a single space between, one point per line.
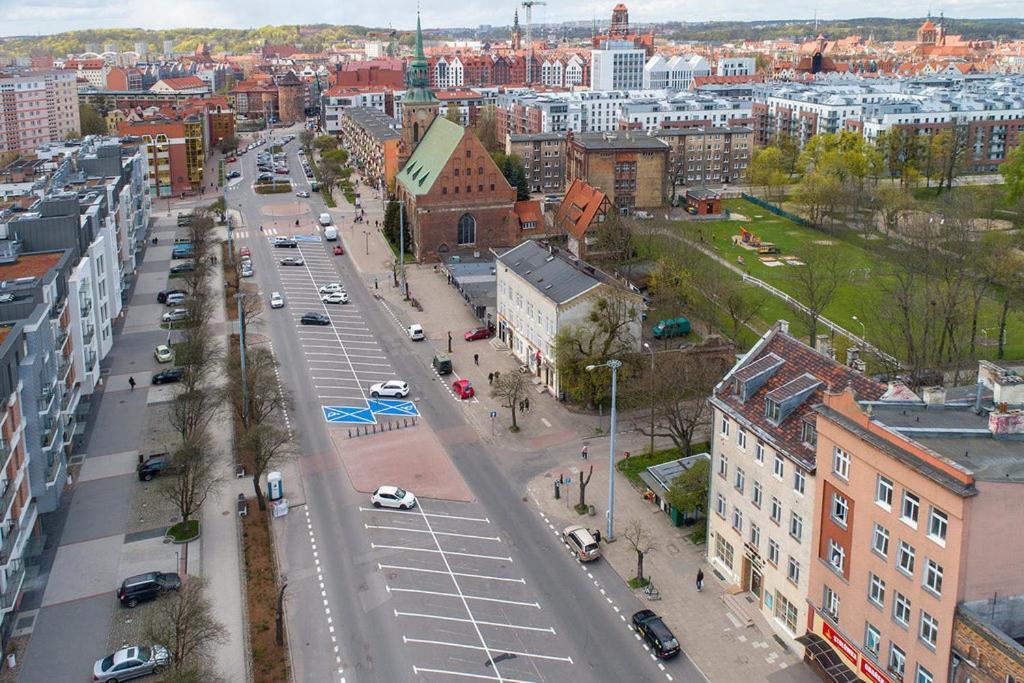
332 287
335 298
175 315
276 300
393 497
416 332
395 388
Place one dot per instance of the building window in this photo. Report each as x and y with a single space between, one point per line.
809 433
840 509
905 558
883 492
876 590
793 570
897 660
779 467
841 463
723 549
467 228
741 439
938 524
796 525
725 426
872 640
737 519
933 576
799 480
772 410
901 609
759 452
776 510
836 555
925 676
830 601
785 612
755 535
773 552
929 632
741 479
720 506
756 494
909 509
880 540
723 466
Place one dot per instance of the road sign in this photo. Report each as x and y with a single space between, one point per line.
393 408
349 415
306 238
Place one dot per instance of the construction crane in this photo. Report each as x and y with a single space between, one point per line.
528 6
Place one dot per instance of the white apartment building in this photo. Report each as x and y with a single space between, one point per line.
448 73
736 66
762 490
654 114
541 291
676 73
37 108
336 100
617 65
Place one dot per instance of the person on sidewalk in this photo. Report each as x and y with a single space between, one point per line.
700 579
526 404
584 453
131 383
476 359
490 378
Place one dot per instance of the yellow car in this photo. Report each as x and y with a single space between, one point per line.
163 354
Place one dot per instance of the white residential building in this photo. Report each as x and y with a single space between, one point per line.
617 65
448 73
674 74
736 66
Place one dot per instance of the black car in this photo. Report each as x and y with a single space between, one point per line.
234 174
656 633
162 296
313 318
186 267
286 243
169 375
136 589
154 466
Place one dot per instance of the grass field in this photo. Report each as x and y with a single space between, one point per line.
856 295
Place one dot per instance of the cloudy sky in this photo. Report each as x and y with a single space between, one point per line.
20 17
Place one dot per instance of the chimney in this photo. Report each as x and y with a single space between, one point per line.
852 355
1005 422
934 396
783 326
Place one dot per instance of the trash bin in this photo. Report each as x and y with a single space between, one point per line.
591 511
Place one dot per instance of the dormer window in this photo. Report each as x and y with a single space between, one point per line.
772 410
809 434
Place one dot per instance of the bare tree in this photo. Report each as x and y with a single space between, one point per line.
740 302
262 447
185 624
193 480
192 412
615 240
266 396
642 542
607 332
510 388
582 507
816 282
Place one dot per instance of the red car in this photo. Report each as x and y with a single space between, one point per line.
463 389
231 160
477 333
244 251
338 250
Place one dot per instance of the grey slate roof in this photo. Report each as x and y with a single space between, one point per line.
554 277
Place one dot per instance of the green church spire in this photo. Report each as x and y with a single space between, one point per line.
417 77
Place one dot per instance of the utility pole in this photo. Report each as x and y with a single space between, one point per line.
614 365
401 247
241 356
648 347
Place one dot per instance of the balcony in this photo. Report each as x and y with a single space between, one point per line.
88 332
54 468
57 309
45 399
63 367
47 432
62 337
9 539
90 360
85 307
15 579
7 491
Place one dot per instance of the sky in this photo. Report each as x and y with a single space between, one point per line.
21 17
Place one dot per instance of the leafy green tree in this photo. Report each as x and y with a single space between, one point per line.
391 226
228 144
1013 175
605 333
325 142
92 122
766 170
689 491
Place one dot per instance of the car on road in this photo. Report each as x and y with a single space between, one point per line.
656 633
131 662
169 376
163 353
393 497
281 171
233 174
332 287
394 388
153 466
292 261
276 300
477 333
463 388
302 193
231 159
145 587
162 296
314 318
582 543
285 243
184 267
338 250
325 219
416 332
335 298
174 315
264 177
244 251
247 269
175 299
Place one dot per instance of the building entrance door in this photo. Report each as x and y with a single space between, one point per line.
756 582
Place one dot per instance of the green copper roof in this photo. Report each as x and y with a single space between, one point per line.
417 78
430 156
420 56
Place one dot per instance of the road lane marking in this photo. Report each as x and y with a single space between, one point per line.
435 533
438 571
426 514
462 674
420 591
482 623
382 546
533 655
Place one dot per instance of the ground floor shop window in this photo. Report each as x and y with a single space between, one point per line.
785 612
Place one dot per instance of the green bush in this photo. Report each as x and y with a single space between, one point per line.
182 532
273 189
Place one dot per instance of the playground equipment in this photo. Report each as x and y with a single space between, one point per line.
751 240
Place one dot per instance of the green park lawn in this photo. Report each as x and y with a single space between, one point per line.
856 295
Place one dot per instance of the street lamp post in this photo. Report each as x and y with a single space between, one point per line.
241 356
614 365
863 330
366 233
648 347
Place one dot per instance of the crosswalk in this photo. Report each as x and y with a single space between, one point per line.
245 234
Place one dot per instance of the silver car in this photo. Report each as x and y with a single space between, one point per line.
175 315
131 662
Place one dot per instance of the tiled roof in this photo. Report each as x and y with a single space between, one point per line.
529 210
430 156
579 208
184 83
801 369
762 364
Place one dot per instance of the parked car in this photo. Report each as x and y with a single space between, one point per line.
314 318
175 315
247 270
394 388
244 251
276 300
169 376
233 174
442 364
335 298
463 389
145 587
393 497
292 261
153 466
656 633
332 287
477 333
163 353
162 296
416 332
302 193
131 662
338 250
175 299
231 159
583 545
185 267
285 243
671 327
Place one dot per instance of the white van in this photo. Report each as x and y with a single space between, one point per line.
416 332
330 233
325 219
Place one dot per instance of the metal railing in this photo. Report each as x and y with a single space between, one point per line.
86 307
7 544
15 579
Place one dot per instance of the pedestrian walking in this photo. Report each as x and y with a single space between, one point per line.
521 407
490 378
131 383
700 579
526 404
497 373
476 359
584 453
597 535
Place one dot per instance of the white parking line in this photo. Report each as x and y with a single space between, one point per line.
482 623
382 546
434 533
461 596
487 650
462 674
438 571
423 513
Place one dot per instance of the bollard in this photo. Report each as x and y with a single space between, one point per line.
558 490
405 422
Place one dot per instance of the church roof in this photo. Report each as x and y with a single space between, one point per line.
430 156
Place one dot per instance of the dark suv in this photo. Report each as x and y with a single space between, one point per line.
656 633
153 466
136 589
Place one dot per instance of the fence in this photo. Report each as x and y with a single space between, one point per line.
775 209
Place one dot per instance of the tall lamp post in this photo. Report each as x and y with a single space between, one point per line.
863 330
648 347
614 365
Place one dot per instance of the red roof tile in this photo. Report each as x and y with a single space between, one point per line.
579 208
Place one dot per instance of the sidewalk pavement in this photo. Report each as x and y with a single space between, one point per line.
716 641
